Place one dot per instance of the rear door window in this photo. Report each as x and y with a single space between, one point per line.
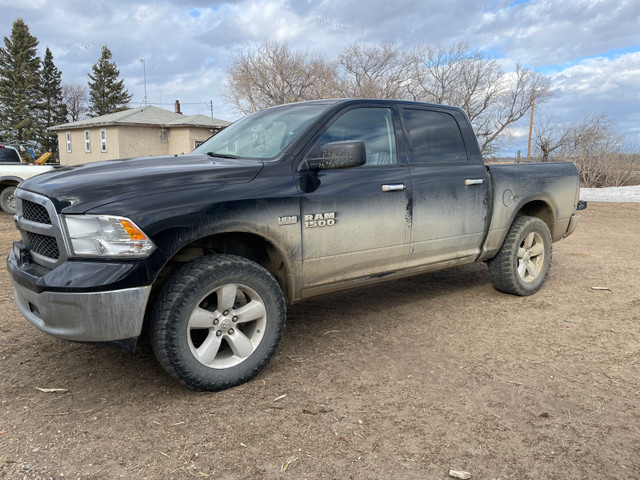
434 137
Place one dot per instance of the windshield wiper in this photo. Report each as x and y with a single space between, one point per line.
221 155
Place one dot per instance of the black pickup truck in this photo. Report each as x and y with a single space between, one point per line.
205 250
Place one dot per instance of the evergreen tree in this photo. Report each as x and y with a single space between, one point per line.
107 93
19 89
53 110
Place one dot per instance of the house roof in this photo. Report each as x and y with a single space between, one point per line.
195 120
145 115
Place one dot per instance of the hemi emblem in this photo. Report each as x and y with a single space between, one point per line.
288 220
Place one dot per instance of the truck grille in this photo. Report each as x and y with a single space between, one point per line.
39 226
35 213
43 245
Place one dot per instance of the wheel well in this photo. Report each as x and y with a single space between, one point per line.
540 210
246 245
8 183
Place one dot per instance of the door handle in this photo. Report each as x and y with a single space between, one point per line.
396 187
473 181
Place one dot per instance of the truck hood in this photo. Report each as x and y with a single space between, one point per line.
82 187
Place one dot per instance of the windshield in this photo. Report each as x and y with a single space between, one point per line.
263 134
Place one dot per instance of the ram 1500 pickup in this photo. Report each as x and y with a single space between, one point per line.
205 250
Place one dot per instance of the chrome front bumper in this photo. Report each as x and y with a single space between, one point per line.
85 317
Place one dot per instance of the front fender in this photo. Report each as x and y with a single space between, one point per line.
176 220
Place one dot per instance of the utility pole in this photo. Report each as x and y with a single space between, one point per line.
144 69
533 104
211 107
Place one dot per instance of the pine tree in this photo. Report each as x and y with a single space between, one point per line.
53 111
106 91
19 79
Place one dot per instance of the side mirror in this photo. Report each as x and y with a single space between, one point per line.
346 154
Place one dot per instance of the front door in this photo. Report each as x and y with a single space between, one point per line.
354 222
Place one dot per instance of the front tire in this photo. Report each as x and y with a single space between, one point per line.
217 322
8 200
522 263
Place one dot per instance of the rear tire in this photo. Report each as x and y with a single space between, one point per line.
217 322
522 263
8 200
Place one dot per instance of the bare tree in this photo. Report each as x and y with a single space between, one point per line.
550 137
454 76
374 72
74 96
274 74
493 100
603 157
514 100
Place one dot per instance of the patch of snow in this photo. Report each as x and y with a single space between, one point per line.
611 194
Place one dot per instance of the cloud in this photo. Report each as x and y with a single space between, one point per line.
20 4
588 48
599 85
550 32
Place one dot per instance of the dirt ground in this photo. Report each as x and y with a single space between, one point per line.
405 380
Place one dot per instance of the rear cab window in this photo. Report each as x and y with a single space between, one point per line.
9 155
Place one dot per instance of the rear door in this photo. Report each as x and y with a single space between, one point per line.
354 221
449 192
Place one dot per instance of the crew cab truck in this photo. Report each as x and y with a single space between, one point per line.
205 250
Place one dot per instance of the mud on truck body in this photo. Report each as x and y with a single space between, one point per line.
205 250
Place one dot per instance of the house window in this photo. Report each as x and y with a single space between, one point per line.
87 141
164 136
68 142
103 140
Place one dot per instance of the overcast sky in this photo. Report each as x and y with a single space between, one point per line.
589 49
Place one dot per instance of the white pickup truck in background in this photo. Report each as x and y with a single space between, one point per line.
13 171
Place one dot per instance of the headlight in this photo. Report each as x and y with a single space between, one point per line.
106 236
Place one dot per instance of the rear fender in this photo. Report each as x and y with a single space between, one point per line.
545 190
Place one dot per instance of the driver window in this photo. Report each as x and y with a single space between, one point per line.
374 126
